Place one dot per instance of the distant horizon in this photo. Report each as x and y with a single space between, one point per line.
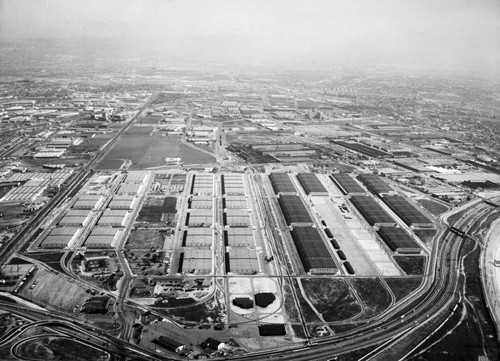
424 34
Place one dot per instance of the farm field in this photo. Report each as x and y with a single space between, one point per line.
146 149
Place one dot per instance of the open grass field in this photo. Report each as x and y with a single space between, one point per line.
333 298
402 287
145 239
374 295
411 265
145 149
432 207
425 235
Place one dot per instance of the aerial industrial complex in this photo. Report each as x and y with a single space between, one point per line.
194 217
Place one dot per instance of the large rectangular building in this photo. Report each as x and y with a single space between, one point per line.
102 237
198 237
374 214
311 184
202 184
407 212
398 240
239 237
347 184
197 261
294 211
282 183
313 252
375 184
87 201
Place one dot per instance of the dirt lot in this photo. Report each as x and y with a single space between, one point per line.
55 291
145 239
331 297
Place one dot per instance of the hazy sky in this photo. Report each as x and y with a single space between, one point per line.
459 32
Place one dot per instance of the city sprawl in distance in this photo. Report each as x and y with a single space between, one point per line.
197 201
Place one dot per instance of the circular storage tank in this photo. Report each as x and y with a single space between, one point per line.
328 233
348 267
341 255
335 244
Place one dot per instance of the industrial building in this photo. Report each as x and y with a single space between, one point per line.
375 184
398 240
87 201
234 217
313 252
294 211
197 261
311 184
202 184
198 202
242 260
407 212
123 201
374 214
234 202
347 184
232 184
282 183
198 237
113 217
199 218
60 237
103 237
239 237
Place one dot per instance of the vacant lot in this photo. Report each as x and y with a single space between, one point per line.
425 235
402 287
145 149
333 298
374 295
145 239
432 207
411 265
54 290
158 210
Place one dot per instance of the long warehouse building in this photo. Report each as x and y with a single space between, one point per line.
374 214
313 252
407 212
294 211
398 240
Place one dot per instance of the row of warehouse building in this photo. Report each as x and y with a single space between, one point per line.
108 228
308 240
199 236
